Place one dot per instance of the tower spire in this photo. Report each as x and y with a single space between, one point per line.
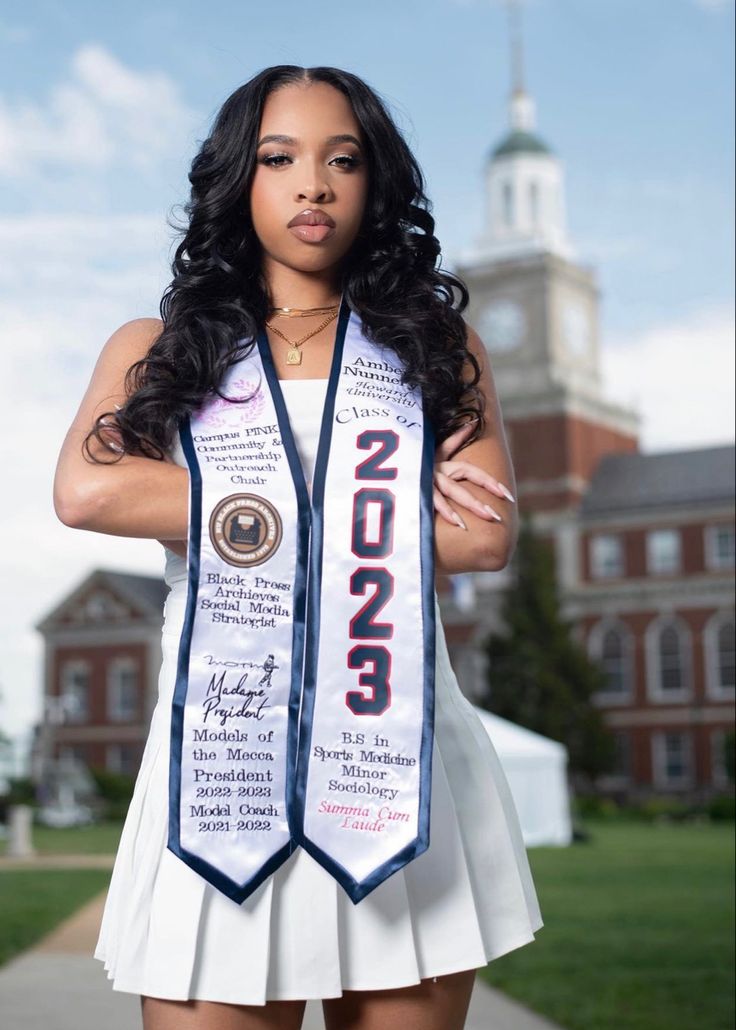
525 203
522 115
517 53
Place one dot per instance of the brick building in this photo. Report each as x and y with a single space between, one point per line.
103 654
644 543
655 603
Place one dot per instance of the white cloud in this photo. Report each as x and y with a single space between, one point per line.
680 377
61 296
104 113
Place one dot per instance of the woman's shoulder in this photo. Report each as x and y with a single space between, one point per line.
137 333
128 343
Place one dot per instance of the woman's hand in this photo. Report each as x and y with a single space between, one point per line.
446 474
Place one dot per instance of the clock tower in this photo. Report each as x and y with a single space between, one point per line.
535 306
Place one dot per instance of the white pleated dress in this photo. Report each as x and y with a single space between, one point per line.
466 900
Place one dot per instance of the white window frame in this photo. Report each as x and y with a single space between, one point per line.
653 671
115 669
595 653
713 686
599 570
659 759
70 667
712 558
655 565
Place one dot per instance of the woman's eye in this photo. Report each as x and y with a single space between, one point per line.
275 160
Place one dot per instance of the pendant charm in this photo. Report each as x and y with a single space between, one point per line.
294 356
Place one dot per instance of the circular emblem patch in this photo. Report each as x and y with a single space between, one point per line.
245 529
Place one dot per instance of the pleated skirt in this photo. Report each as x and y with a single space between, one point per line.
468 899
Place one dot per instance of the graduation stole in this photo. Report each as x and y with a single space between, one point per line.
303 709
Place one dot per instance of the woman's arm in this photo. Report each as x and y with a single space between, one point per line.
486 545
135 496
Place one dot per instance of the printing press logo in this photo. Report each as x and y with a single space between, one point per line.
245 529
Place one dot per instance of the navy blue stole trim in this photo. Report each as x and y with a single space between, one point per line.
239 892
235 891
357 890
307 591
307 517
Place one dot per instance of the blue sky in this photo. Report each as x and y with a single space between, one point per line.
634 95
101 111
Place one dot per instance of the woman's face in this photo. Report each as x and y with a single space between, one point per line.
310 172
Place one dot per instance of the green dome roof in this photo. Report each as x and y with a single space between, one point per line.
519 142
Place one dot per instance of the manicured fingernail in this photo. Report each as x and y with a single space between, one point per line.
506 493
456 518
493 512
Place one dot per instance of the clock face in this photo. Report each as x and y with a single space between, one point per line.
576 329
502 325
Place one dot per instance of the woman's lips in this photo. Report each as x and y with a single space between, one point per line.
312 233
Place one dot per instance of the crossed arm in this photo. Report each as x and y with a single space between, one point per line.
142 497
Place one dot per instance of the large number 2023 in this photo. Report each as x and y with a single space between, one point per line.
364 624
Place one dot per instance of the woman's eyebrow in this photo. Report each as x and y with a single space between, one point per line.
343 137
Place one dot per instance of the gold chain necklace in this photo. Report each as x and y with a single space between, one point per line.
294 355
292 312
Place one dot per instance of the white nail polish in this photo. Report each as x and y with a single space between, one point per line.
493 512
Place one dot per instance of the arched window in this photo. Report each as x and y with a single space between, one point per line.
727 656
719 640
507 199
669 659
610 646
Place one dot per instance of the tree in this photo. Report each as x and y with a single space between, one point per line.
539 675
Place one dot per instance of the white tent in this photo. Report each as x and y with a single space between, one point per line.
536 770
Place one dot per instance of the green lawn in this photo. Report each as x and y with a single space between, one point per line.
33 903
98 839
638 930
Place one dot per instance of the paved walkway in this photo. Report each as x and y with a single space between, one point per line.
57 985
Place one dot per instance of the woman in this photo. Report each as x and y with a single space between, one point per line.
399 947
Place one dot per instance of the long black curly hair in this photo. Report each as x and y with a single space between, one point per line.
218 297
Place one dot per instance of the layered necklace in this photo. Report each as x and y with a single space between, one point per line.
294 354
